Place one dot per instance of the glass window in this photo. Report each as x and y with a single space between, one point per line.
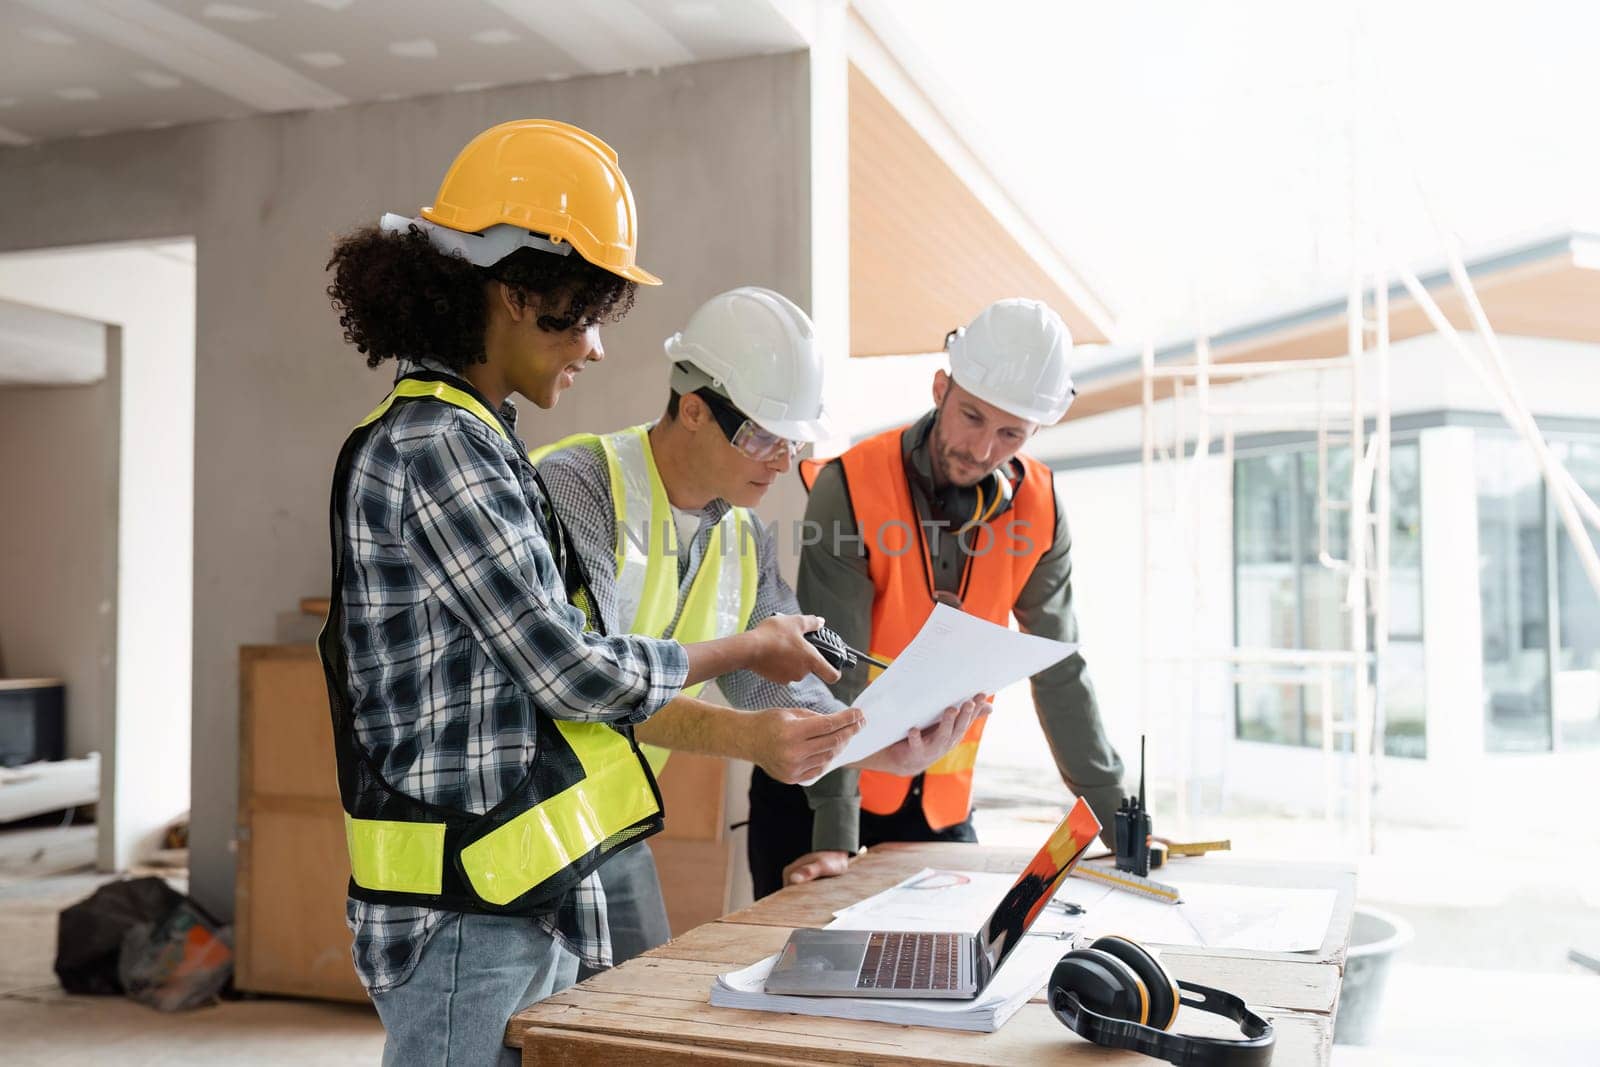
1266 605
1288 596
1513 586
1405 543
1577 679
1405 700
1264 500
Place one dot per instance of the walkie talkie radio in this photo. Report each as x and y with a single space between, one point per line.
1132 829
839 655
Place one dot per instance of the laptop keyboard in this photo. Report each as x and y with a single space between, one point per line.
911 961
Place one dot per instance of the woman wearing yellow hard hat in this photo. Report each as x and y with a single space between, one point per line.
482 730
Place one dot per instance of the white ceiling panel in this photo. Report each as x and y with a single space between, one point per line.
81 67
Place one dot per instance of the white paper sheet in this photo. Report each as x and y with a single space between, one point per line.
953 656
1024 974
1212 915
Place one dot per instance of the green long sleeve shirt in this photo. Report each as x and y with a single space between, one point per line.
834 582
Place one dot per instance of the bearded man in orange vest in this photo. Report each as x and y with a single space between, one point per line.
944 510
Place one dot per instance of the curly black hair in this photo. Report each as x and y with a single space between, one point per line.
399 297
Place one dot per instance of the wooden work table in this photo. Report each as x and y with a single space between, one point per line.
655 1009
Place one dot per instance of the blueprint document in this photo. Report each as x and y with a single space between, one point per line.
953 656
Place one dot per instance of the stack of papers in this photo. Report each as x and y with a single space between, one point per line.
1024 974
929 900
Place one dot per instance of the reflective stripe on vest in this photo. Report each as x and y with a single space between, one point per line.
612 801
902 578
721 596
610 797
408 857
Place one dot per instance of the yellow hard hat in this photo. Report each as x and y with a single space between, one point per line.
551 178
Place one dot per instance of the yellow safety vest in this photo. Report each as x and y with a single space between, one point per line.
722 595
588 794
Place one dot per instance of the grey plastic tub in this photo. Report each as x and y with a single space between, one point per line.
1375 937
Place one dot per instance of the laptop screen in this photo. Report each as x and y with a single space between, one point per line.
1037 883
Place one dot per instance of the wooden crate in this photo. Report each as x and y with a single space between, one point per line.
289 902
693 853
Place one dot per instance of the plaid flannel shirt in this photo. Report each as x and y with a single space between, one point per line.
458 632
580 490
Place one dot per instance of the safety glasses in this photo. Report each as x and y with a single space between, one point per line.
742 432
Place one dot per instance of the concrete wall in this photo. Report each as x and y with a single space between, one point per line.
58 544
147 291
716 153
43 347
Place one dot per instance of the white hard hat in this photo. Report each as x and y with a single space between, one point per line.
759 349
1014 356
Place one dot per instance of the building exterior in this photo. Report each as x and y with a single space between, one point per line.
1491 675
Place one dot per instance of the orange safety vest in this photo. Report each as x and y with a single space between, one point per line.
1004 554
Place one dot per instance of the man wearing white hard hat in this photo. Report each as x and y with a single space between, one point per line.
660 519
945 510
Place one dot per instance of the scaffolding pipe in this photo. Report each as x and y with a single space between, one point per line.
1580 497
1194 474
1263 676
1147 416
1361 695
1294 656
1329 772
1383 525
1562 484
1325 556
1513 410
1247 368
1229 410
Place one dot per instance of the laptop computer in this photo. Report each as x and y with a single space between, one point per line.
923 965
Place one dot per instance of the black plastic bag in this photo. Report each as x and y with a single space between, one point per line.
89 933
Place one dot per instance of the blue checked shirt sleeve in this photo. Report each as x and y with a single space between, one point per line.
484 554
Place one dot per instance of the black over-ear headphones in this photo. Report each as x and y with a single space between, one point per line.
1116 994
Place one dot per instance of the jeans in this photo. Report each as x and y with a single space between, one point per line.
476 972
634 908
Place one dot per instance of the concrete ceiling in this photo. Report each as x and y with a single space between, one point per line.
74 68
